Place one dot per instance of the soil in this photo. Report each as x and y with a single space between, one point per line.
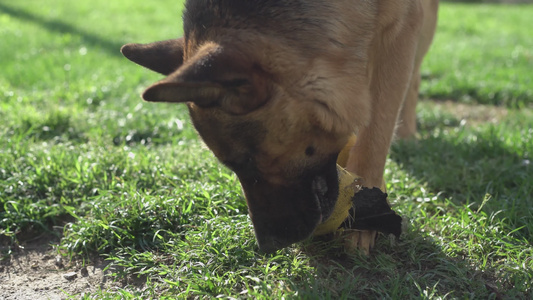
37 271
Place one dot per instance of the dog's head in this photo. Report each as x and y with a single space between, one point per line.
273 112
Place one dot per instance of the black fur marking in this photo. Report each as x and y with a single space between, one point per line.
202 17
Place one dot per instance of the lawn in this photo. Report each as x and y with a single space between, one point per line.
82 158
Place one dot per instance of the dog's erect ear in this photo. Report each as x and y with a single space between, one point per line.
163 57
215 76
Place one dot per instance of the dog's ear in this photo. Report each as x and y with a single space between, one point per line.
163 57
214 77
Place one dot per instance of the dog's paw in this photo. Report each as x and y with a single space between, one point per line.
359 240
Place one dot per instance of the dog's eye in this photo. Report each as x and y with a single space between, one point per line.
309 151
235 82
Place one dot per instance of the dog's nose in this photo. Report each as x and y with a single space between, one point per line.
269 244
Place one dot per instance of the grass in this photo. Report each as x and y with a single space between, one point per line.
481 55
82 157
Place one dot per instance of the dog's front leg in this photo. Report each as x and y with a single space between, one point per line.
390 67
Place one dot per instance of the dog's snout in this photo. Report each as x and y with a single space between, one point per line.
285 214
269 244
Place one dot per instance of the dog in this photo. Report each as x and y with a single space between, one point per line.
275 88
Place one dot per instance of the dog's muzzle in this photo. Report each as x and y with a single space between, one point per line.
283 215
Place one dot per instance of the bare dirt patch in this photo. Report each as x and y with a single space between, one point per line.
474 114
37 271
471 114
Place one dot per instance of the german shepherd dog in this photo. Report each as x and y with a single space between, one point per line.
275 88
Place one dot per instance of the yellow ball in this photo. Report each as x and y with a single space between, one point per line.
349 184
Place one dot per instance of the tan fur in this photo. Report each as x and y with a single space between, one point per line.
299 86
405 34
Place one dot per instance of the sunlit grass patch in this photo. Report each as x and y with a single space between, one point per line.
481 54
83 157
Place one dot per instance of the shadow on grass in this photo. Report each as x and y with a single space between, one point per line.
414 267
57 126
464 168
145 137
62 27
468 168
